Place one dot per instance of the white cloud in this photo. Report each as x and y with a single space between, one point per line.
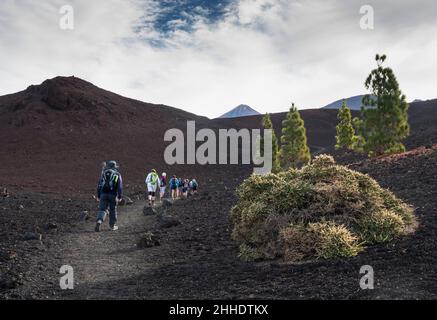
265 53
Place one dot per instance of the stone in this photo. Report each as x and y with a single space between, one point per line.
167 221
149 211
84 216
126 201
167 202
5 193
52 225
148 240
28 236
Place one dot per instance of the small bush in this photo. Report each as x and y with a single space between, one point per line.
320 211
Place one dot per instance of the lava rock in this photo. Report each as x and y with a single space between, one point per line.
9 283
51 226
149 211
148 240
167 202
167 221
5 193
84 216
28 236
126 201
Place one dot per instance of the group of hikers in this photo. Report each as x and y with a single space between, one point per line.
110 191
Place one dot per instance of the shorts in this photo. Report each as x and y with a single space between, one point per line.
184 190
194 188
173 187
151 193
162 189
151 187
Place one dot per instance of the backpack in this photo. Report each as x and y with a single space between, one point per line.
163 181
109 180
194 184
174 182
154 179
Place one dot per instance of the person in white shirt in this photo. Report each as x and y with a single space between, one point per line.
152 182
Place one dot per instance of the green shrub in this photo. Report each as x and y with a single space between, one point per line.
334 240
322 210
380 227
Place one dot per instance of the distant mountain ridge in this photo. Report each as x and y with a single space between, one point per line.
242 110
354 103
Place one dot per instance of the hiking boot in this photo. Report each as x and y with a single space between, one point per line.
114 228
98 224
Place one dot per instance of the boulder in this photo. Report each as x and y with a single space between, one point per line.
148 240
149 211
167 202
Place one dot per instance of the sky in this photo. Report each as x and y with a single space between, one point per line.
207 56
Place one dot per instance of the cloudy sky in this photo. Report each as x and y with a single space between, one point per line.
208 56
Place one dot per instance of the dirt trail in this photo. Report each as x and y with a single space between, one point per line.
107 256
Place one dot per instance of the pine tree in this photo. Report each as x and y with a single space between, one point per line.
384 123
345 131
267 124
294 149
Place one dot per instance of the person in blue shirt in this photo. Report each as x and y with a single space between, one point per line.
180 186
174 187
109 193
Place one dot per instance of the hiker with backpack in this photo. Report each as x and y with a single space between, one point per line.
152 182
193 187
174 187
185 186
109 193
180 185
162 186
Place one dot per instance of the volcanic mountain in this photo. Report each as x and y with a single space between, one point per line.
55 135
354 103
240 111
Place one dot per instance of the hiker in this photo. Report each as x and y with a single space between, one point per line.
174 187
180 185
185 186
162 186
152 182
109 193
193 186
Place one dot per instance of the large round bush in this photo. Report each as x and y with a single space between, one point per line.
323 210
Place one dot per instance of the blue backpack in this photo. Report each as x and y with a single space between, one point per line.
173 182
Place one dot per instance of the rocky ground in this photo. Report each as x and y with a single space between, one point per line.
196 258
